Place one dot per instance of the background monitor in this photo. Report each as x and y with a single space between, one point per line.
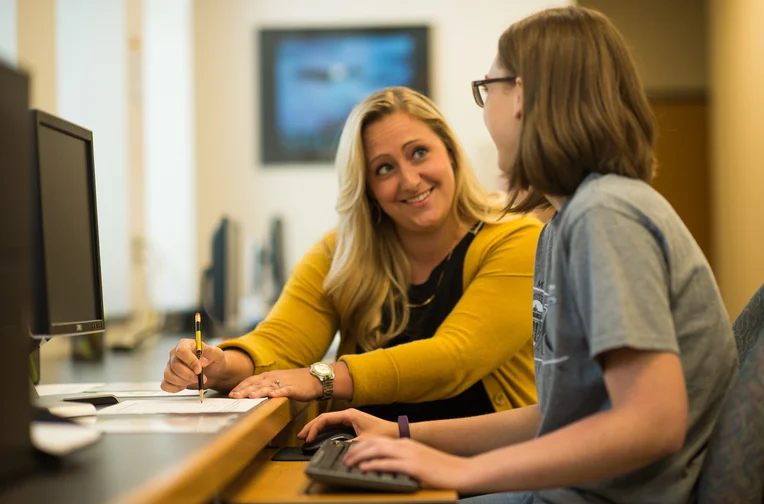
16 455
220 289
67 268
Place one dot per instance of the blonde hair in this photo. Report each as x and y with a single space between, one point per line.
584 107
370 271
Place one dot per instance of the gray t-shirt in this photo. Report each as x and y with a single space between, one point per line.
616 268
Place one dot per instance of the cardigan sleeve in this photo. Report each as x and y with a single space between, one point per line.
489 325
301 325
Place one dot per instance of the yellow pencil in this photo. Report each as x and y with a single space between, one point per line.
198 327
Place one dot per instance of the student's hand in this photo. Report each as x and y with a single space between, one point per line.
433 468
365 425
296 384
183 368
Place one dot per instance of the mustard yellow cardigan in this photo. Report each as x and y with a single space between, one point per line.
487 336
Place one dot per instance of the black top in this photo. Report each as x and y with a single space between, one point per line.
445 287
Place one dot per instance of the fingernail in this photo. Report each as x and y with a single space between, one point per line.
235 394
204 361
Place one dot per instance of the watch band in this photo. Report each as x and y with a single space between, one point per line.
327 385
403 427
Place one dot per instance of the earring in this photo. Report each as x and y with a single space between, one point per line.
376 212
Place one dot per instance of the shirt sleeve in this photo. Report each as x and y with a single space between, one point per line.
301 325
488 326
619 276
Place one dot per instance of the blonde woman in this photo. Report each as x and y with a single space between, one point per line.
428 286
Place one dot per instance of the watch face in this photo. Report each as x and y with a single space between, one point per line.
322 368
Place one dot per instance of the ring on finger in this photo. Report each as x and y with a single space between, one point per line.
277 383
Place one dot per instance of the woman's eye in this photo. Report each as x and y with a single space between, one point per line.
419 152
383 169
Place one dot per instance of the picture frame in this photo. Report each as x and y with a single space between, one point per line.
311 78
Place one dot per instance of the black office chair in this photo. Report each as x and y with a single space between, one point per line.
733 471
749 325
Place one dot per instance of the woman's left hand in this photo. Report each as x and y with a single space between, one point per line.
296 384
433 468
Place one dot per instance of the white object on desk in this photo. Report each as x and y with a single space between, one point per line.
60 439
65 409
181 406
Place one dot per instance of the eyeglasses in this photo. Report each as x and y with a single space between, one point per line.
479 90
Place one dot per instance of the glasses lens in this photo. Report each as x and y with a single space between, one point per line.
482 92
478 93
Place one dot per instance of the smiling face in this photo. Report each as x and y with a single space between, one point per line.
409 172
502 113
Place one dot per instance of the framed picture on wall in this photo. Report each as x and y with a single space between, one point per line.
310 79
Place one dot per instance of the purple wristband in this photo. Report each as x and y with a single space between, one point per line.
403 427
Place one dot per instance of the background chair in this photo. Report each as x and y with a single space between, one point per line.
733 471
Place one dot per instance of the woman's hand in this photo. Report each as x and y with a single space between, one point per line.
296 384
364 425
433 468
183 368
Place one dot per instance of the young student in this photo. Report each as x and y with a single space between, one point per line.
424 278
633 348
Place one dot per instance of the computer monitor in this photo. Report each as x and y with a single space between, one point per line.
68 296
220 290
16 455
277 259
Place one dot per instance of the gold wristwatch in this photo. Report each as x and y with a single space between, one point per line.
325 374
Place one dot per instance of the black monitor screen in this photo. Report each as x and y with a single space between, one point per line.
67 219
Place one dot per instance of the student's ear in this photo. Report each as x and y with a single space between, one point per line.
519 98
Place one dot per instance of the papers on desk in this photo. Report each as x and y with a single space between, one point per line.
50 389
174 424
118 389
181 406
137 389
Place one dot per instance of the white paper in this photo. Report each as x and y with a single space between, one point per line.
173 424
185 406
138 389
65 388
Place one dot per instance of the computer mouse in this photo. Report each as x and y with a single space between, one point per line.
343 433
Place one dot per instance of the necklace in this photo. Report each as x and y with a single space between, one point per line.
475 229
437 284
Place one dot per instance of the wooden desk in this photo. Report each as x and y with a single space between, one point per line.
268 481
148 468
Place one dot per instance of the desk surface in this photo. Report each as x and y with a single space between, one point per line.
159 467
145 466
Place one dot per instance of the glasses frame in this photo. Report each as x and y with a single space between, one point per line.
476 85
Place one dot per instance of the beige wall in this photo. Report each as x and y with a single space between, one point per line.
737 74
36 31
667 37
230 178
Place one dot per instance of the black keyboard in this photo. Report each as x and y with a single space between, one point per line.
326 466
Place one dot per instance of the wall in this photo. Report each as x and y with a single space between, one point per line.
168 157
667 38
230 179
737 71
36 46
8 31
91 90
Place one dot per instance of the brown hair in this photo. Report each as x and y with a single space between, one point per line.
584 108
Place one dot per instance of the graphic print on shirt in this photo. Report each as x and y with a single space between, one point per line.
539 312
